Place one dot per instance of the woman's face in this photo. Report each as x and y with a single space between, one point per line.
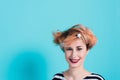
75 53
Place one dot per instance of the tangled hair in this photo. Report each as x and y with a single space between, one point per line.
69 35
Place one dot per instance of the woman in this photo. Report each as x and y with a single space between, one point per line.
76 43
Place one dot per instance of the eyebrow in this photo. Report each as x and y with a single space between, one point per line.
71 47
67 47
79 46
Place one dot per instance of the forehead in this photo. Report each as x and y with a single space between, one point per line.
77 42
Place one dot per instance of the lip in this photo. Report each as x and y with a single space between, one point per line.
74 60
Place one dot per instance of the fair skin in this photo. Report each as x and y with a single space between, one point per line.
75 54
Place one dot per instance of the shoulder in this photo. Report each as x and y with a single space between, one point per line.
95 76
58 76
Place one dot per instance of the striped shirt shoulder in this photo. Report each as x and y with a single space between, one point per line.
93 76
58 76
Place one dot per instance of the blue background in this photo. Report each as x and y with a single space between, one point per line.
27 51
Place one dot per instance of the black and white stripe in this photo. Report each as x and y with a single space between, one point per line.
93 76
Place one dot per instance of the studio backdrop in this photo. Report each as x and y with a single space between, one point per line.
27 51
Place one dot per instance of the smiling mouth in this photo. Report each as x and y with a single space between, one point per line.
74 60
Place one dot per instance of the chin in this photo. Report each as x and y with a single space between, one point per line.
74 66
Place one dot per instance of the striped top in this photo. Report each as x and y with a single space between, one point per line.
93 76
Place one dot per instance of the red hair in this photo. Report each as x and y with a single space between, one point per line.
69 35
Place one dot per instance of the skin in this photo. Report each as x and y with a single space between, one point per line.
75 54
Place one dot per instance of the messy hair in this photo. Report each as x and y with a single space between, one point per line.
69 35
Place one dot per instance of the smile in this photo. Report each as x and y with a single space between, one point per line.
74 60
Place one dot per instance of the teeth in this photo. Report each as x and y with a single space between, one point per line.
74 60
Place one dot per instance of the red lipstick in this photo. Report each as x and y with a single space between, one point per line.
74 60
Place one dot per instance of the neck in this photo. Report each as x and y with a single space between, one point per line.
77 72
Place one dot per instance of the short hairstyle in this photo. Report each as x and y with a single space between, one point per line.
69 35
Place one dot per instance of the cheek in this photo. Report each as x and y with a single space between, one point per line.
83 54
67 55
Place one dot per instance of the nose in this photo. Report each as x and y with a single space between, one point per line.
74 54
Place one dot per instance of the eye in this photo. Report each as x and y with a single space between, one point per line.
79 49
68 49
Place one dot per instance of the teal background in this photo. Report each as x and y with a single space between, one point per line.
27 51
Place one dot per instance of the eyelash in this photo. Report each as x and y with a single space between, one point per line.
69 49
79 49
